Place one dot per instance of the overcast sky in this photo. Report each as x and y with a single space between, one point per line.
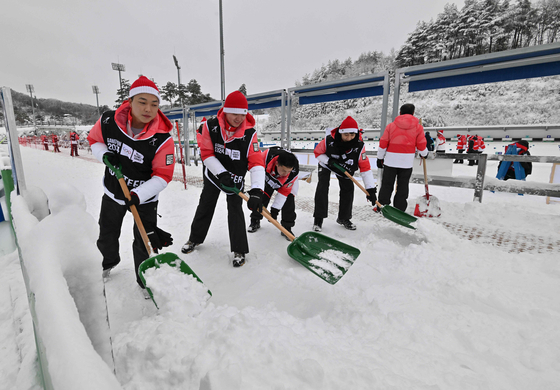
63 47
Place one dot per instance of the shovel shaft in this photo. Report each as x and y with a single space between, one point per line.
361 187
425 178
267 215
137 219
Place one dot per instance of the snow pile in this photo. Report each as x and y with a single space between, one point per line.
177 294
330 261
61 259
427 208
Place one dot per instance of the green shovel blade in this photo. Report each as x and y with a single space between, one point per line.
165 258
398 216
326 257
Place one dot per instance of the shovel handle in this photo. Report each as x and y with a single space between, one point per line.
267 215
361 187
425 178
133 210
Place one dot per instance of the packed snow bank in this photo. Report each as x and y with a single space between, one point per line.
62 262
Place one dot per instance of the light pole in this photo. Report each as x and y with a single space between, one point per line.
120 68
31 89
178 78
95 89
222 55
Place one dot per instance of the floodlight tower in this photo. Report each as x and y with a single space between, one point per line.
95 89
222 67
31 89
119 68
178 78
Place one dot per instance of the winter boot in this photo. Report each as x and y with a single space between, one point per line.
189 247
254 226
346 223
238 259
318 224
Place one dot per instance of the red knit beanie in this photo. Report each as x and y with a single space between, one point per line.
236 103
144 85
349 125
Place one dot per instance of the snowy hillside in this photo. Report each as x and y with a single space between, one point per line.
454 305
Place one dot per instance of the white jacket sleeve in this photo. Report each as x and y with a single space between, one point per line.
214 165
257 177
98 149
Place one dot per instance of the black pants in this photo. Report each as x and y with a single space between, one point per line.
288 210
74 150
205 212
459 161
110 223
346 195
402 175
473 162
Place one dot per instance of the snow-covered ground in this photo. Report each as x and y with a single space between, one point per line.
425 309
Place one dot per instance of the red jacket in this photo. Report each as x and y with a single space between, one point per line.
461 142
400 140
160 124
228 134
480 144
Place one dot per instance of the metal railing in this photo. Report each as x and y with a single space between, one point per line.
481 182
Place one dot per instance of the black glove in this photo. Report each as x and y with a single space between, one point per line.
226 180
112 158
380 163
424 157
331 164
255 200
159 238
134 200
274 213
372 194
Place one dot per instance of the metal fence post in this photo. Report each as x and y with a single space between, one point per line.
479 183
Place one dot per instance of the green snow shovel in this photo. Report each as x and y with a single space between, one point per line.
152 261
397 216
388 212
326 257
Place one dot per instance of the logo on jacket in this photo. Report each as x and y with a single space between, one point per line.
153 142
113 144
137 157
106 120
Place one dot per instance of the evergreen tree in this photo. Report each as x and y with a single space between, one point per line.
243 89
122 93
195 93
169 92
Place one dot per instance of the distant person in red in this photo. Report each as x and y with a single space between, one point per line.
55 143
74 137
461 145
440 142
45 142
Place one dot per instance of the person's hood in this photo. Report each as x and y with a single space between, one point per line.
160 124
248 123
406 121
